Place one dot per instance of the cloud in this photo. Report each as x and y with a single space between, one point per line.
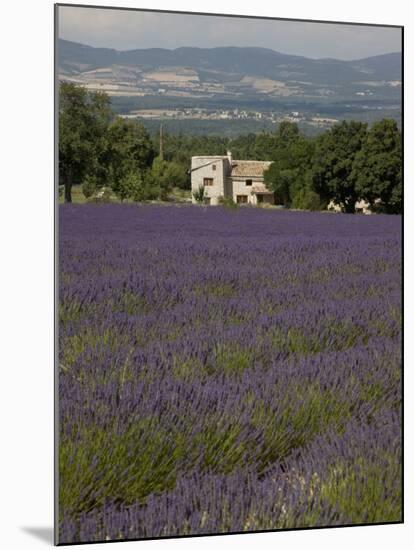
129 29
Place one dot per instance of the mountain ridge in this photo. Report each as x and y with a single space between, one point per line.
197 76
256 48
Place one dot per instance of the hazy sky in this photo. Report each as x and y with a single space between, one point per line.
125 30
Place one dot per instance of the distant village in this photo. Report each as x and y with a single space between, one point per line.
229 114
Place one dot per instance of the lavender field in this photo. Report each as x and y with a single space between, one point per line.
227 370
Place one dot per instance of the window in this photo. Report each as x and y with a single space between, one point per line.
249 182
241 199
213 167
208 182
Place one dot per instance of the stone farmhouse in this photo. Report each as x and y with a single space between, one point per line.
222 177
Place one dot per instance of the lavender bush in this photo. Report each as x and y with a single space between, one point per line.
226 371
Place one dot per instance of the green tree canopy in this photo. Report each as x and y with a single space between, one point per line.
137 186
335 153
377 169
292 157
130 150
167 175
83 121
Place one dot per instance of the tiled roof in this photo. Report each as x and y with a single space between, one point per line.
246 168
260 188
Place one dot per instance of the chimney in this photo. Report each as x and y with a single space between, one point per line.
229 157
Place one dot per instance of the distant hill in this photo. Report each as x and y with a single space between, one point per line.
260 62
256 79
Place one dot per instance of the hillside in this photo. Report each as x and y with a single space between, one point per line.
231 64
257 79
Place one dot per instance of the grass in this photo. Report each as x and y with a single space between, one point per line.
176 195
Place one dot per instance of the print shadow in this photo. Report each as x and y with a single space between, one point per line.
43 533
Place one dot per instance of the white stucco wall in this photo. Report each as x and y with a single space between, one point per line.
224 185
202 167
239 187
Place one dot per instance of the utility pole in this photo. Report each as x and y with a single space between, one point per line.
161 144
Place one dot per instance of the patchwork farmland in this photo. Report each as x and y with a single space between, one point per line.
227 370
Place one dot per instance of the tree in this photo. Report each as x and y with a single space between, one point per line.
172 174
280 181
167 175
264 146
304 198
83 121
127 185
377 168
138 186
288 131
292 158
177 175
335 153
130 150
243 147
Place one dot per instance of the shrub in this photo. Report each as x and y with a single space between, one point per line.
306 199
89 186
228 202
167 175
200 194
138 186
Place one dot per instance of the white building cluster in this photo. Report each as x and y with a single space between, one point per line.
224 178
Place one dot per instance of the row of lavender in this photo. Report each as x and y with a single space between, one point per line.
226 371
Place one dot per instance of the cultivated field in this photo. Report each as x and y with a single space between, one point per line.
227 370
